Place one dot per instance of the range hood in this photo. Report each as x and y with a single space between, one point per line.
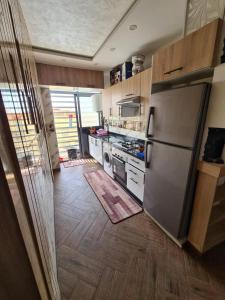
130 102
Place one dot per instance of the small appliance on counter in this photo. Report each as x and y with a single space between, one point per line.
214 145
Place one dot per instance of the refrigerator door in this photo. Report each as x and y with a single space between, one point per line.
175 115
166 180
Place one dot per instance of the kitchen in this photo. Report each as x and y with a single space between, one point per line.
112 159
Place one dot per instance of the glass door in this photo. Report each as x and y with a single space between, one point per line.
65 117
74 113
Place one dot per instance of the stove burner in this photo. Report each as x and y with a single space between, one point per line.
127 146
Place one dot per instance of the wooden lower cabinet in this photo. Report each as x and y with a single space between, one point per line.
207 228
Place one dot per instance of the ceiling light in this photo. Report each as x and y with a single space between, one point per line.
112 49
133 27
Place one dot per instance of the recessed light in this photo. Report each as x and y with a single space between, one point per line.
133 27
112 49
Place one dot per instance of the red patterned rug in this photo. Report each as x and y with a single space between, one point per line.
78 162
114 199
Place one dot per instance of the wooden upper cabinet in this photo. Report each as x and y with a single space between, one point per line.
131 87
174 62
146 80
196 51
116 91
65 76
138 85
201 47
107 102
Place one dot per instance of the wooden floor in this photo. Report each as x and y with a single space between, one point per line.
130 260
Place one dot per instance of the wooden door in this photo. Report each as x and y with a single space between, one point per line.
146 80
116 96
107 102
131 87
200 47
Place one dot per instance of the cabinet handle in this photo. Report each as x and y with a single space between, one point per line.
18 50
133 172
127 95
136 162
134 180
25 107
174 70
110 111
18 91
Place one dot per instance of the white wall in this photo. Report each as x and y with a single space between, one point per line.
216 110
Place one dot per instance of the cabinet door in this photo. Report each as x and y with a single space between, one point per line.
132 86
146 85
116 96
135 181
174 60
201 46
159 65
107 102
98 151
168 63
91 145
196 51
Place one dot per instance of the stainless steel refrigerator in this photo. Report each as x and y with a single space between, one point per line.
174 132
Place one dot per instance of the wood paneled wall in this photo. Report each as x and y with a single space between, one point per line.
64 76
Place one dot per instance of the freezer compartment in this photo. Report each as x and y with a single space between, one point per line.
166 183
175 115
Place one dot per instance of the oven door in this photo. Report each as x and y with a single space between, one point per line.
119 170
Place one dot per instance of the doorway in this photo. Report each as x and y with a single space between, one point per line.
74 113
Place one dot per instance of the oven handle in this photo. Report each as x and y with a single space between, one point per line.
120 160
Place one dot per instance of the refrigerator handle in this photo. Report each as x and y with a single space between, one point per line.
150 125
148 150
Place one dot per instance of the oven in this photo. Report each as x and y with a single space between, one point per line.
119 170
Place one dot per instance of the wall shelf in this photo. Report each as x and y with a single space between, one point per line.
207 228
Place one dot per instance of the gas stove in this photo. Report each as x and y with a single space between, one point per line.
131 147
125 145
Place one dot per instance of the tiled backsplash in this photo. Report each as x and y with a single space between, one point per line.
128 132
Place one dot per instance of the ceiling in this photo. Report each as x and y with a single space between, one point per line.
95 34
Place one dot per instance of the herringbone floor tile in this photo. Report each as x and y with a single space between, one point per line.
132 260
